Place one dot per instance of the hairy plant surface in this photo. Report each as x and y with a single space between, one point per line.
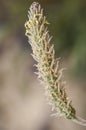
48 69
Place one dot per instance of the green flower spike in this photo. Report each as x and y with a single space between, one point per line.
48 69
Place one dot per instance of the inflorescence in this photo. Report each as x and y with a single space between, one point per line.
48 69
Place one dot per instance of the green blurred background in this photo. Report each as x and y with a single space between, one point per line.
67 20
67 25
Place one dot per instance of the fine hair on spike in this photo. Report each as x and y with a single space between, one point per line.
49 71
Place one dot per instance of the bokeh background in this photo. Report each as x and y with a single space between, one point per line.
22 102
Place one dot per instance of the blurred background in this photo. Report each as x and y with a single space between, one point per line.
22 102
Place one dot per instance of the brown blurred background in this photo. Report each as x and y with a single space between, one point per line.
22 103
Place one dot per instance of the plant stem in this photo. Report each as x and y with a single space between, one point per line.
79 121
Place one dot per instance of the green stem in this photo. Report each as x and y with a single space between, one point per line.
79 121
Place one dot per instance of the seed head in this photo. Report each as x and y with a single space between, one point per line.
48 68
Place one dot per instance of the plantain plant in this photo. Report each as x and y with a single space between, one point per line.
48 69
